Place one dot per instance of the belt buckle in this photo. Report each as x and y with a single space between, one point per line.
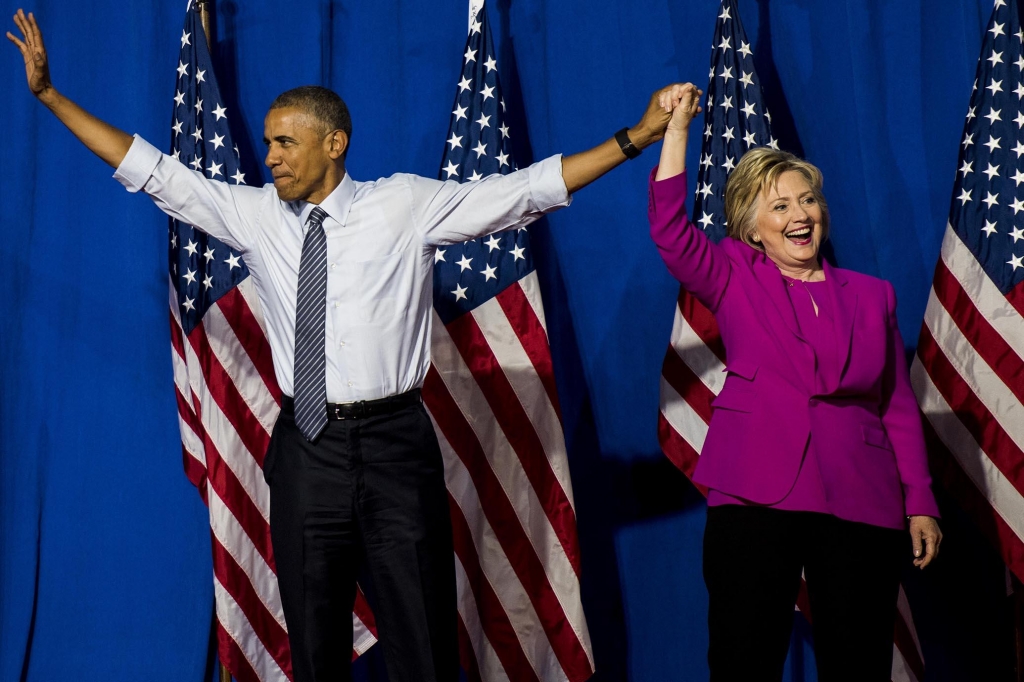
337 412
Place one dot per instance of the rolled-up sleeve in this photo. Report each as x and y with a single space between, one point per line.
547 187
138 165
450 212
229 213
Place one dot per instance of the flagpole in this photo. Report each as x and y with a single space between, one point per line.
205 8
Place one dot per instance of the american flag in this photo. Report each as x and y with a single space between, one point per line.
228 398
735 120
491 394
968 373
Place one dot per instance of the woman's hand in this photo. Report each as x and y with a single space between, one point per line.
926 537
682 101
37 67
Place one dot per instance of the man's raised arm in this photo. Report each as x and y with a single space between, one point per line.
103 139
448 212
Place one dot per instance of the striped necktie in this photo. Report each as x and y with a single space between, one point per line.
310 324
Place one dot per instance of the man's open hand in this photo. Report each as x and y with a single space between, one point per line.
37 68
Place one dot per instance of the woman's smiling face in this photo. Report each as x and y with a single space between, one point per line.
789 222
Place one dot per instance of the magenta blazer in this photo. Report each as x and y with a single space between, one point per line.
867 427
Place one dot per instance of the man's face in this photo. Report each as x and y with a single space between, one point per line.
299 157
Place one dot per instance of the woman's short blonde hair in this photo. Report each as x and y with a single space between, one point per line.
759 169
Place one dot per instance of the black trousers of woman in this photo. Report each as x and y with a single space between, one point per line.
369 493
753 558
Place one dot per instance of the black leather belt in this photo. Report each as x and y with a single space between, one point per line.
364 408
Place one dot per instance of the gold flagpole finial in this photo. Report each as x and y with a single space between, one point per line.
205 8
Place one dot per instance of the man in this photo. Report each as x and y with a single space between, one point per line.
343 272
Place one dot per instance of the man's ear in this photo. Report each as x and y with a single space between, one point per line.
337 143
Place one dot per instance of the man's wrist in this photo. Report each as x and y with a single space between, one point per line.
626 145
49 96
641 137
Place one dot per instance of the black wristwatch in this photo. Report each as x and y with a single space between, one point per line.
626 145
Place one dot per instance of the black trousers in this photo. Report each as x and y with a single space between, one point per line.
369 493
753 557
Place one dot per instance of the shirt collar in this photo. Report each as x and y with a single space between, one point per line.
337 204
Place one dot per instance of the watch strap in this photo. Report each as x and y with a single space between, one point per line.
626 145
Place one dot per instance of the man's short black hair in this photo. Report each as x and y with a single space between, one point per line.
321 103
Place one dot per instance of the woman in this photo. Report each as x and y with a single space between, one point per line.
814 456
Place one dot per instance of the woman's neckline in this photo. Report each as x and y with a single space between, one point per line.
792 281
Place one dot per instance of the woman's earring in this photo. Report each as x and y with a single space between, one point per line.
756 238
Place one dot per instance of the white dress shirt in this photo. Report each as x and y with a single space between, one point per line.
381 238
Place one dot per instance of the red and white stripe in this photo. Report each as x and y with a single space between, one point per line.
228 401
491 394
691 377
969 380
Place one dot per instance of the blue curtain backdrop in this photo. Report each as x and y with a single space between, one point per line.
104 549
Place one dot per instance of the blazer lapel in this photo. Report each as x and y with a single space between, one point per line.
775 291
844 312
769 295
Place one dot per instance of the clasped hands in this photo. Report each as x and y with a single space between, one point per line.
669 112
